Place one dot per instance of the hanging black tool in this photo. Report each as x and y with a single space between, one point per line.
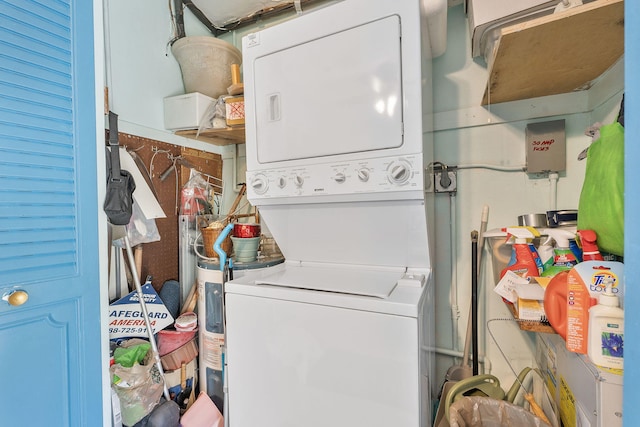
118 202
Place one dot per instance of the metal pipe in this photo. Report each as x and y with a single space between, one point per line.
483 228
145 313
474 298
553 190
484 360
455 309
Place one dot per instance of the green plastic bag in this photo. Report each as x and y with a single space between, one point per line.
601 206
130 355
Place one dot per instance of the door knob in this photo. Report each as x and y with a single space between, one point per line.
16 298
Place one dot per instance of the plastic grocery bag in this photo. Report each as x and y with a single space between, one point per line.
196 196
140 228
138 387
480 411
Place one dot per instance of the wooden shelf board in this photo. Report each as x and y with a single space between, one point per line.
223 136
557 53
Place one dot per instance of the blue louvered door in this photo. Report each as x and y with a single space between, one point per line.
50 365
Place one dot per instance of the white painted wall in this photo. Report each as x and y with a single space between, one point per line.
467 133
141 72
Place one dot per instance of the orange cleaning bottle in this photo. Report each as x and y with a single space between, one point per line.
524 260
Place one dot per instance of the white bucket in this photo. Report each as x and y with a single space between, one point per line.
206 64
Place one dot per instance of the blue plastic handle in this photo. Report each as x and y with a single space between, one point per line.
216 246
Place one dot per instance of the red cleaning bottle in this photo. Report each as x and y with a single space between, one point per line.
590 251
523 260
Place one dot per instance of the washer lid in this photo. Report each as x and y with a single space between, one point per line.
344 280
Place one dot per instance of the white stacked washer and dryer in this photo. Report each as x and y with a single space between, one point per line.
339 143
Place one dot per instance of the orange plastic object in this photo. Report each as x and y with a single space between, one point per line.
566 305
555 303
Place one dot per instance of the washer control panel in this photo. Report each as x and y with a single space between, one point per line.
341 178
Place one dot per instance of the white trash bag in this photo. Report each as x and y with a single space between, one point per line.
480 411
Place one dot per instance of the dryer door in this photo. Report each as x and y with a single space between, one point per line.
312 97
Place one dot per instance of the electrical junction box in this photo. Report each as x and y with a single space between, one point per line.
546 147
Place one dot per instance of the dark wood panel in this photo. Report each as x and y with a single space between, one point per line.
160 259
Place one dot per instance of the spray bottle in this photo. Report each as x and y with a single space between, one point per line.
575 248
524 260
545 251
590 251
563 258
606 331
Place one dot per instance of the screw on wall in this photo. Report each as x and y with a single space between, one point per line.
445 178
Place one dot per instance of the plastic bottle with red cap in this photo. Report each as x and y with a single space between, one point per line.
524 260
590 251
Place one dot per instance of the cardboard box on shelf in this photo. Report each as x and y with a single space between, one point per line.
235 110
530 301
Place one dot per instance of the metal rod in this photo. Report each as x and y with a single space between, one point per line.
145 313
118 267
483 227
474 299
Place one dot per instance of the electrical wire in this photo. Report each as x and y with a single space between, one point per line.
515 168
174 25
505 319
535 408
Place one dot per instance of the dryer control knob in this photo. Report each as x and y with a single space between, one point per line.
339 178
260 184
399 172
364 174
282 182
299 180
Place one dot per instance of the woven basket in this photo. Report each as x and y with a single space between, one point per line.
209 236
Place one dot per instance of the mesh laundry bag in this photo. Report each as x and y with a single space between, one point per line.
480 411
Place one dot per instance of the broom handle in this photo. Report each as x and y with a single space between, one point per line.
236 202
145 314
483 228
537 410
